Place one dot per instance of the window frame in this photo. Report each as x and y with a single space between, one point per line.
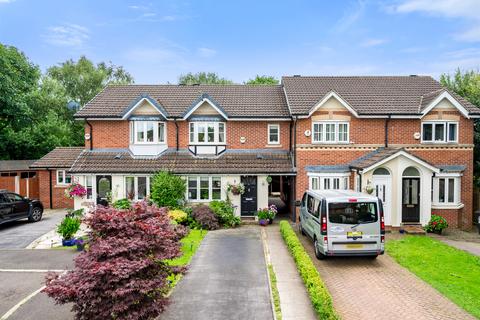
446 188
198 188
269 134
64 175
330 179
144 123
446 131
206 124
336 133
135 186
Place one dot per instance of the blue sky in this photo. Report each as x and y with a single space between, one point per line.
158 40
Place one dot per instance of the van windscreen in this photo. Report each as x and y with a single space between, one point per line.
352 212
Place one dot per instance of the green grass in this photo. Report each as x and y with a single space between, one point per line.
453 272
276 295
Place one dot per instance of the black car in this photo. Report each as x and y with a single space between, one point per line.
15 207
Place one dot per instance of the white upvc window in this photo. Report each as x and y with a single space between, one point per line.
63 178
440 131
149 132
137 187
273 134
446 190
318 181
89 186
207 132
204 188
330 132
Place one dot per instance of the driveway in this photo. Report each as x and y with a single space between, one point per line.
23 273
227 279
380 289
19 234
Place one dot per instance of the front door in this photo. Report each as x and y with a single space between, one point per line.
381 185
411 200
249 197
104 189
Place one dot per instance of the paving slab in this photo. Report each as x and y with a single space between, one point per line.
470 247
55 259
42 307
227 279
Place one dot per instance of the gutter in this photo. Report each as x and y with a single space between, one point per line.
91 134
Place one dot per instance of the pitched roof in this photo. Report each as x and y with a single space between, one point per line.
183 162
236 100
373 157
368 95
15 165
61 157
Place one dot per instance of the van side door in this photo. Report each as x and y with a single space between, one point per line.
313 215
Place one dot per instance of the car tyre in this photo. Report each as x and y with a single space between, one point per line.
318 254
36 214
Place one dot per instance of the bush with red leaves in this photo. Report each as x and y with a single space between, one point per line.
206 217
122 275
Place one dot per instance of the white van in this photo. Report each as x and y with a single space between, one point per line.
343 223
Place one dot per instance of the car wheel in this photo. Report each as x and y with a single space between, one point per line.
318 254
36 215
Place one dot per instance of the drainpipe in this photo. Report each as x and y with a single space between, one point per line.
295 141
387 120
359 180
176 131
91 134
51 187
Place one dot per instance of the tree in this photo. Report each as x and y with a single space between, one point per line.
467 85
202 78
263 80
124 273
168 190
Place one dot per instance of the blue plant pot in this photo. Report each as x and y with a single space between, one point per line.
263 222
68 243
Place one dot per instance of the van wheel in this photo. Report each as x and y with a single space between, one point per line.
302 231
318 254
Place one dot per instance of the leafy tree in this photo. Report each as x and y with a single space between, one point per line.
467 85
263 80
124 273
82 80
168 190
202 78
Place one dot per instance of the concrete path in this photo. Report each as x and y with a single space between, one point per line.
227 279
470 247
380 289
19 234
294 301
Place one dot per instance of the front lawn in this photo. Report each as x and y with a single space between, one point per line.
455 273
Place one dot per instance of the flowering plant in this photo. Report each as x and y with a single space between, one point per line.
236 189
437 223
267 213
75 190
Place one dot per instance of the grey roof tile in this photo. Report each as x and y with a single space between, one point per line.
61 157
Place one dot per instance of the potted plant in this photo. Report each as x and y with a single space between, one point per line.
263 216
369 189
75 190
236 189
80 242
67 229
436 224
272 212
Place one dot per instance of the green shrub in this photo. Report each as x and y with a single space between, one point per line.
436 223
179 216
167 190
75 213
319 295
68 227
122 204
225 213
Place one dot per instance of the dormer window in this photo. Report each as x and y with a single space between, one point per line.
207 132
149 132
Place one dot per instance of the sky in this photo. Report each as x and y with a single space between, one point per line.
156 41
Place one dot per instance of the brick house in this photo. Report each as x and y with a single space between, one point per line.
406 139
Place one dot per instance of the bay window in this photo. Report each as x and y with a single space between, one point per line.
328 182
207 132
204 188
446 191
148 132
330 132
439 131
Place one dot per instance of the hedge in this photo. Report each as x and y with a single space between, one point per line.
319 295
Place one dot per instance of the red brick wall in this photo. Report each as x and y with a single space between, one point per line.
109 134
58 192
452 216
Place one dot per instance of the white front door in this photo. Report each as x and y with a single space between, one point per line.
382 186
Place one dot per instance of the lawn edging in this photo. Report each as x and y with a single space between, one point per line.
317 291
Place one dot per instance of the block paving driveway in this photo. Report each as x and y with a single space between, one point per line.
380 289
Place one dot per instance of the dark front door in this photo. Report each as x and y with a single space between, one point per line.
249 197
104 189
411 200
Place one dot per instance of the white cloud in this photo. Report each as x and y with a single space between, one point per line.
353 14
373 42
68 35
459 9
206 52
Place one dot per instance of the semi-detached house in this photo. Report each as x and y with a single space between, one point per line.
406 139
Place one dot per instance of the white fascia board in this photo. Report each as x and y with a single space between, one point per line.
138 104
449 97
200 103
325 99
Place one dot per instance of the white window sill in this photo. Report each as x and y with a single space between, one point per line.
148 143
440 142
273 145
451 206
331 143
203 201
